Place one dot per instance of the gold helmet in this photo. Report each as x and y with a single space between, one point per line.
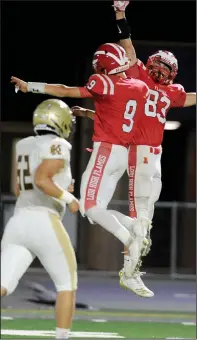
53 115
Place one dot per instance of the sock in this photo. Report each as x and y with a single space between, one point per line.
109 222
127 265
62 333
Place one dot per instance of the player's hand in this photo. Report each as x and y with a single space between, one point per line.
120 5
78 111
71 187
19 84
73 206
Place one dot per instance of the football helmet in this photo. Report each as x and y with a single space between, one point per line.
110 59
162 67
55 116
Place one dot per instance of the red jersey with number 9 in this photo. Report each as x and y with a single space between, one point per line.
119 104
161 98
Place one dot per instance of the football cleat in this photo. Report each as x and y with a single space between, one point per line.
135 284
138 247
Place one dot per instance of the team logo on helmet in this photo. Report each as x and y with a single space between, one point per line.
110 59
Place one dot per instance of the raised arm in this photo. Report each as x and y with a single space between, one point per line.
124 30
56 90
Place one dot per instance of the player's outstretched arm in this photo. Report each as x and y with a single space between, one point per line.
82 112
124 30
190 99
56 90
44 181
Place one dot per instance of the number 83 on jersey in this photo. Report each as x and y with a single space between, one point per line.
150 109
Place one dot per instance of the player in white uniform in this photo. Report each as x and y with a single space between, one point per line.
43 179
104 169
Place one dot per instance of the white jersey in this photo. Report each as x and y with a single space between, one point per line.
30 152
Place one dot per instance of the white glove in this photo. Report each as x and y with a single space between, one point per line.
120 5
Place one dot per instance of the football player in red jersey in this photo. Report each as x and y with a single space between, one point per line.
144 161
119 101
159 74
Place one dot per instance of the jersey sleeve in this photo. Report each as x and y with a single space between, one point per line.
100 84
177 95
84 93
56 149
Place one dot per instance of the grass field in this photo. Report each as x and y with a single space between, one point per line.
44 328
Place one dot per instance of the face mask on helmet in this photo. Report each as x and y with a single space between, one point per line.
110 59
54 116
162 67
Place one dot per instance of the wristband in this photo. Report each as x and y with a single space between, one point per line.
67 197
36 87
123 29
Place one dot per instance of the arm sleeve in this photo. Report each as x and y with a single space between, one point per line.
177 95
84 92
56 149
100 85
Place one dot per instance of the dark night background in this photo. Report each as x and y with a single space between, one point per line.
53 42
50 41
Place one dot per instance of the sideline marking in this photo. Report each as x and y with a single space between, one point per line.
92 335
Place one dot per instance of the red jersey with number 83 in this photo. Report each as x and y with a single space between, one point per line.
161 98
119 104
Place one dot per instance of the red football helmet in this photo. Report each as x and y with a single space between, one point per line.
162 67
110 59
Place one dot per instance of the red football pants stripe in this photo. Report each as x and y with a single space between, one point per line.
96 176
132 162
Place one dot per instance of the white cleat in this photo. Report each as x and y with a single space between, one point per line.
135 284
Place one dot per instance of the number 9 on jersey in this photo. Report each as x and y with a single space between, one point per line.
129 115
